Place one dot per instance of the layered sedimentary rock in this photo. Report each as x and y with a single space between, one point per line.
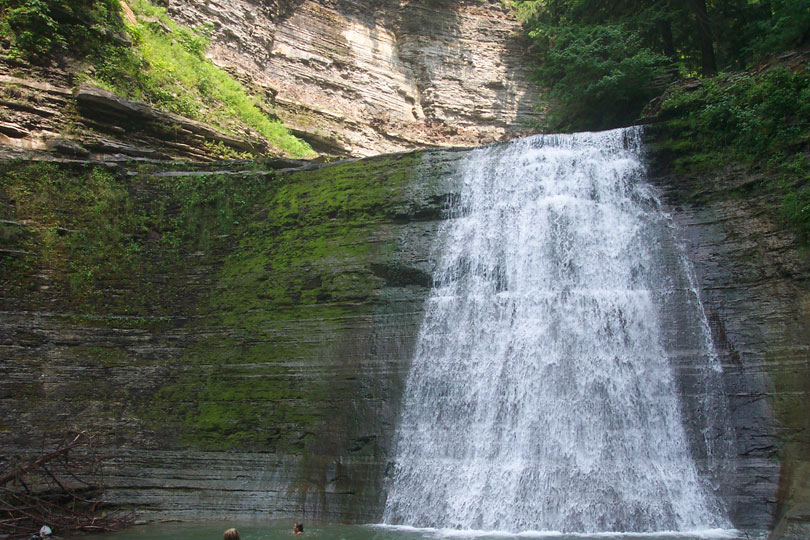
351 78
363 78
239 337
752 275
49 118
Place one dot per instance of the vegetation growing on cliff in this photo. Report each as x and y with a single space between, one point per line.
603 61
76 226
168 68
37 29
759 120
82 231
300 268
141 54
254 267
108 249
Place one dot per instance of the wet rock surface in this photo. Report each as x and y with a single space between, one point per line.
263 377
259 372
752 276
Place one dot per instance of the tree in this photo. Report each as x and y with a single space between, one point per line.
704 33
623 50
38 28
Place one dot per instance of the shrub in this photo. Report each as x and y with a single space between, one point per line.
760 120
40 28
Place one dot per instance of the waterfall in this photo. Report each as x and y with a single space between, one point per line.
541 395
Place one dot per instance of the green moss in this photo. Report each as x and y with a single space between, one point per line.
300 269
96 240
79 228
309 244
791 382
100 356
267 275
238 406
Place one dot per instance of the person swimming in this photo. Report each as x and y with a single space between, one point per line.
298 528
231 534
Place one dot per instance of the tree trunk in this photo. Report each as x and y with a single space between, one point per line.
667 40
708 62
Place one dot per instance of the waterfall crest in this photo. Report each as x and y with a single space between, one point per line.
540 396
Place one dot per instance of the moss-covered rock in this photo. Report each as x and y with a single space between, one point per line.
239 335
249 310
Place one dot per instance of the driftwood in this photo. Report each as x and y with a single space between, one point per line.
60 488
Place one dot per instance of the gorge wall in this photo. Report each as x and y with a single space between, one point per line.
752 274
362 78
239 338
236 338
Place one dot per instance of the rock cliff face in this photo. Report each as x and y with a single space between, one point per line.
753 280
240 337
48 118
362 78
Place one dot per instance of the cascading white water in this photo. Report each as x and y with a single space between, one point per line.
540 396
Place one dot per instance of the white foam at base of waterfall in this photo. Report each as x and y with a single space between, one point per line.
701 534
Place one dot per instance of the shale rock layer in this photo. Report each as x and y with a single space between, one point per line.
239 336
752 275
362 78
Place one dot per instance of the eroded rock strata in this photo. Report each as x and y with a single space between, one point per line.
236 337
752 275
52 120
362 78
239 336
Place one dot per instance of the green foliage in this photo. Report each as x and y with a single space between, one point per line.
781 25
761 120
601 61
207 207
39 28
597 60
168 69
587 67
160 62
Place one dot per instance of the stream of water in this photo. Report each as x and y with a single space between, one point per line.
541 396
282 530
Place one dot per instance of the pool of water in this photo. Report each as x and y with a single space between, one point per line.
282 530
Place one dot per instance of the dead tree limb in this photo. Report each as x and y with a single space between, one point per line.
61 488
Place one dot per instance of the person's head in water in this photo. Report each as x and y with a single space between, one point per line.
298 528
231 534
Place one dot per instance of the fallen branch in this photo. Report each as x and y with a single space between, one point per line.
79 439
61 488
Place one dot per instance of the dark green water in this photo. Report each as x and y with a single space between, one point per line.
282 530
